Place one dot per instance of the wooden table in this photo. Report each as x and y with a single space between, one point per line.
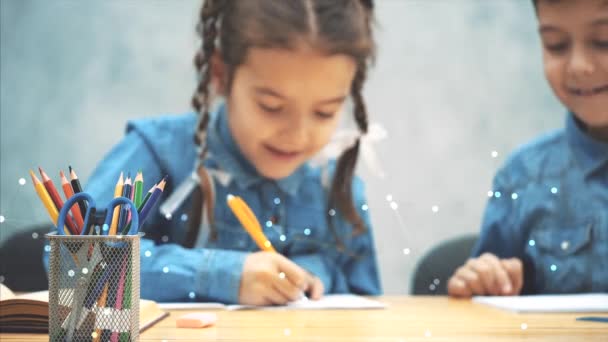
406 319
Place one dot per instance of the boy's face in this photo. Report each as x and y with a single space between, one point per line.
284 106
575 54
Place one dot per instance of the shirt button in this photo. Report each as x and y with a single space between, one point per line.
565 244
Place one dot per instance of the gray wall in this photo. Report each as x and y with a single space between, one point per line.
454 81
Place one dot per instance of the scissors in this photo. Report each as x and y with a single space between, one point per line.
82 284
93 216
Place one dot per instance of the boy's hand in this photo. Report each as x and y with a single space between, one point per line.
270 279
487 275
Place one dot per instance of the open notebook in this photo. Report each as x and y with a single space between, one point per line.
30 312
590 302
327 302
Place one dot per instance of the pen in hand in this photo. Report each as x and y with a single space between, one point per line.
251 224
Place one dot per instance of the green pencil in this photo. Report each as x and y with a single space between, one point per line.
139 186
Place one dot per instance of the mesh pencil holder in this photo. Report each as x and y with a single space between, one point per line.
94 283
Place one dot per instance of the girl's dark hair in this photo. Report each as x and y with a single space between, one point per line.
231 27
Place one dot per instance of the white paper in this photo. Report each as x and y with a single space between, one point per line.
589 302
191 306
339 301
327 302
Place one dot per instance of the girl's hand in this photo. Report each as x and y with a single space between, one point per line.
487 275
272 279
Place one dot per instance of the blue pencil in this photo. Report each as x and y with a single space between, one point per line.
150 204
124 210
593 319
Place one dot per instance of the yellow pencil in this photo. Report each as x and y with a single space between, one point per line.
101 302
46 200
117 193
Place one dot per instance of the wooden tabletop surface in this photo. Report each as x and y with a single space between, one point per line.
407 318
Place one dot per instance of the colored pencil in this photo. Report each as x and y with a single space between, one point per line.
147 209
46 200
120 293
132 198
125 336
69 192
57 201
139 188
101 303
150 204
124 211
77 188
116 213
146 198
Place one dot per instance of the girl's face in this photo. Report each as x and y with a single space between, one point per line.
575 54
284 106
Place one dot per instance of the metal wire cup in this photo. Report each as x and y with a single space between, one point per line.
94 285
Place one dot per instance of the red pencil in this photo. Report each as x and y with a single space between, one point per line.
69 192
50 188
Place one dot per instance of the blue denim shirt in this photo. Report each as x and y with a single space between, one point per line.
212 270
550 208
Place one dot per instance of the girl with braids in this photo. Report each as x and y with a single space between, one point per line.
280 72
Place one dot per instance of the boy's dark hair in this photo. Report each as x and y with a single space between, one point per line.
535 3
231 27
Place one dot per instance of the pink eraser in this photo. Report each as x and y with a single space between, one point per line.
197 320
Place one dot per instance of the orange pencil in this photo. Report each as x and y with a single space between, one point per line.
46 200
251 224
69 192
101 303
52 191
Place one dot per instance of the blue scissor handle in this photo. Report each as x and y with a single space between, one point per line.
91 204
66 208
134 216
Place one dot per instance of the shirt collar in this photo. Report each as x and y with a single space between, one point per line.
226 153
589 152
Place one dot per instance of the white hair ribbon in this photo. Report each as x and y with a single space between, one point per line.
344 139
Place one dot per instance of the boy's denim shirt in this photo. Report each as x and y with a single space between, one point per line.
292 212
550 209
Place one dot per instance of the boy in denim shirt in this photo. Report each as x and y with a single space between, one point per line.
545 229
